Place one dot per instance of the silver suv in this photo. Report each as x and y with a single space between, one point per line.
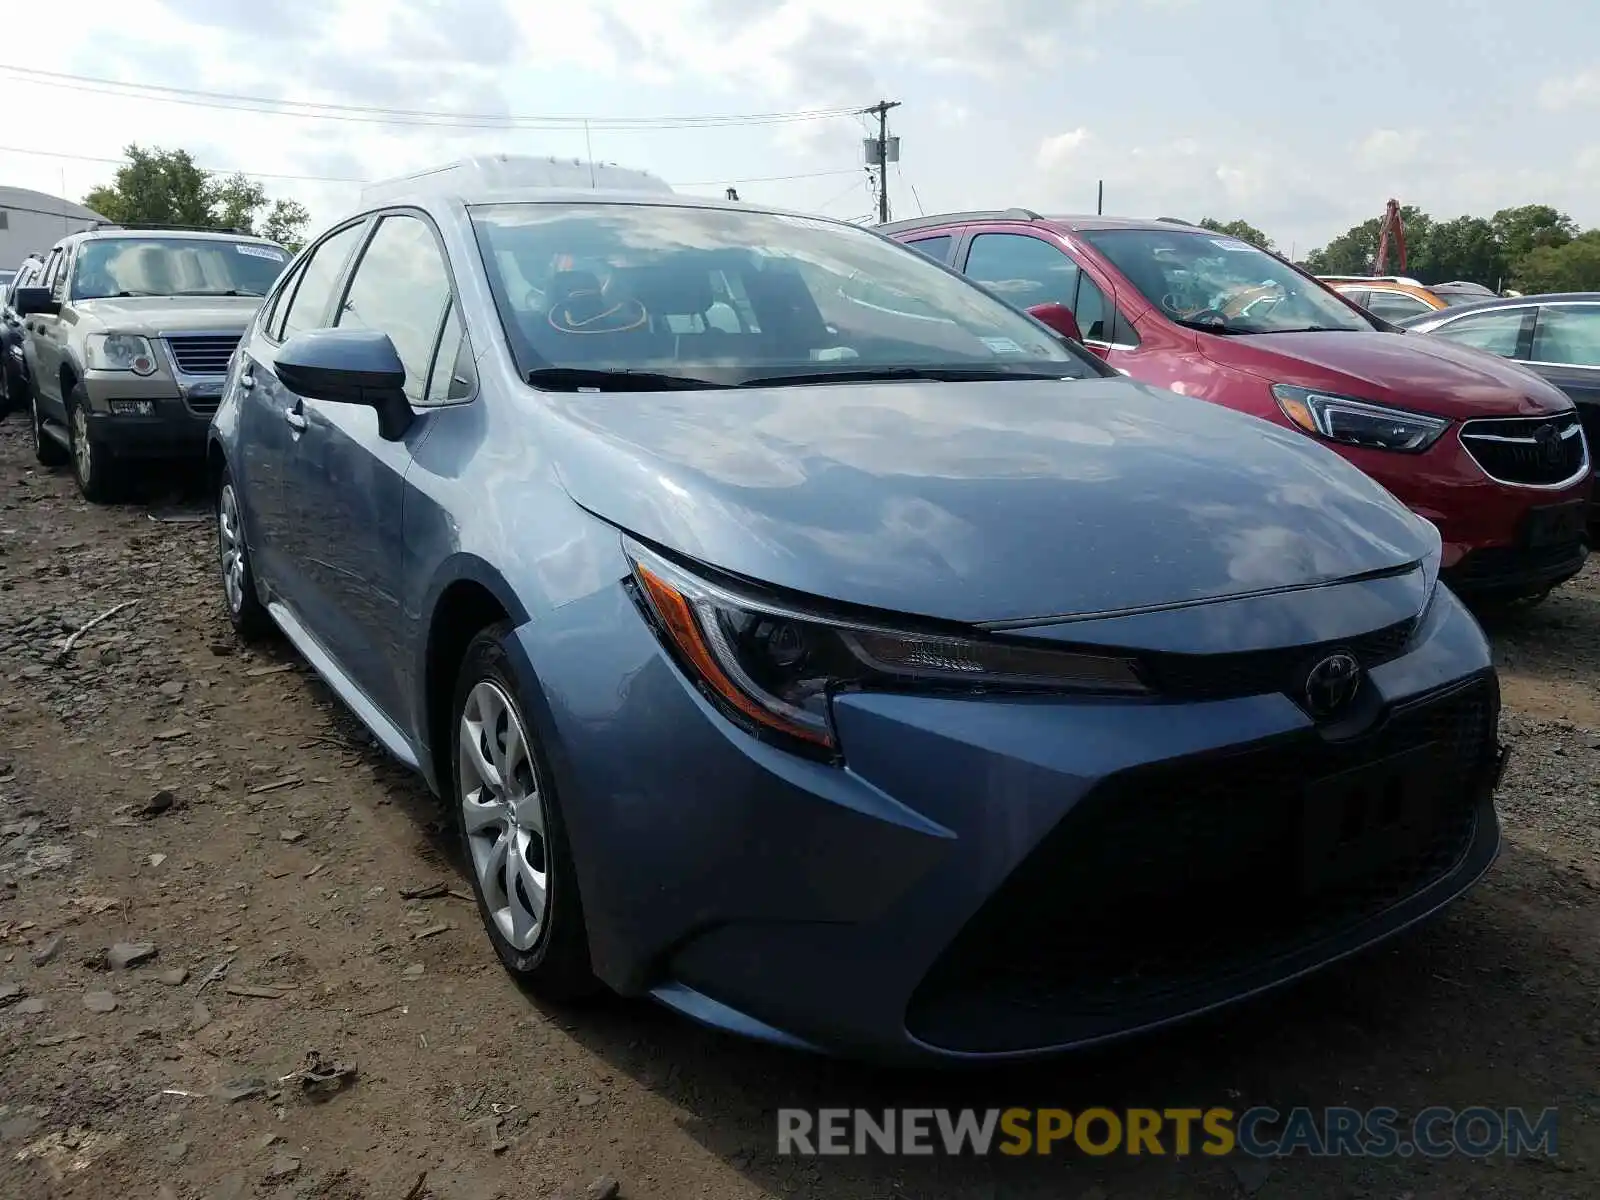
127 340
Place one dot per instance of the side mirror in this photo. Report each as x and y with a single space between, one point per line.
32 301
1059 317
349 366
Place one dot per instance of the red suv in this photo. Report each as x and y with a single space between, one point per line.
1486 450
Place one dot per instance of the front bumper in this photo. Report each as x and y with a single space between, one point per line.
175 426
984 877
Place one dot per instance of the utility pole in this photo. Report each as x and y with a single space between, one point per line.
881 152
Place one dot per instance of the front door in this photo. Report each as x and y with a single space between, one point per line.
273 420
350 486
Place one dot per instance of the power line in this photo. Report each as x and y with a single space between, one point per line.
372 114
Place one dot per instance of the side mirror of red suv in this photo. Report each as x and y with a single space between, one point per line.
1059 317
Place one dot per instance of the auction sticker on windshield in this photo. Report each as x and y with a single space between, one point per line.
260 252
1231 244
1002 345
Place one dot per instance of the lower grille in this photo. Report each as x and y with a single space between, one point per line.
1534 451
203 405
1167 882
203 354
1510 566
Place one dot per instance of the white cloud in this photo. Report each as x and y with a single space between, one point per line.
1389 147
1571 91
1058 149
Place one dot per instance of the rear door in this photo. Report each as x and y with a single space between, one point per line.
272 418
43 332
350 485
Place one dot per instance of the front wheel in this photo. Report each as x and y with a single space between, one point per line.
245 610
92 464
512 833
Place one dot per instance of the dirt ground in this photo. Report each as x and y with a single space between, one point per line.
160 785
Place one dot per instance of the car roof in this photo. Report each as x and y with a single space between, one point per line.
1488 304
1073 223
204 235
440 201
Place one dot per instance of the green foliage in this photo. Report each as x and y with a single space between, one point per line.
166 187
1242 230
1572 266
1533 247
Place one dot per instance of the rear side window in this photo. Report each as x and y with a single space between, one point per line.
1500 331
313 295
936 248
401 287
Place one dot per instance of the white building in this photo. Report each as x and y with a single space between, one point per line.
32 222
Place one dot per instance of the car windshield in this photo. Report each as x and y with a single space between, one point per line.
174 267
1222 283
733 296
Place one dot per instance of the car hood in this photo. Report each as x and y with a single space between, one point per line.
172 314
978 501
1410 370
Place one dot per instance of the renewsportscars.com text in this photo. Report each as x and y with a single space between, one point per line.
1258 1132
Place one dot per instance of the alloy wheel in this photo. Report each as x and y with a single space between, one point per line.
82 453
503 815
230 543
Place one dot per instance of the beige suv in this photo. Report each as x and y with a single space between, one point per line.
127 342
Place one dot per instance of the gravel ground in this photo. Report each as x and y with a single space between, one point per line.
215 817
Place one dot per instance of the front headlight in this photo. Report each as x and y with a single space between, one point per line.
1358 422
772 667
120 352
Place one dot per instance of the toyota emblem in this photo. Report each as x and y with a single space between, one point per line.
1332 684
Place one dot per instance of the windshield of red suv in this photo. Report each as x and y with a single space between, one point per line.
1222 284
148 266
734 295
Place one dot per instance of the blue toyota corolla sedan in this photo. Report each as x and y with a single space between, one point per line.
807 639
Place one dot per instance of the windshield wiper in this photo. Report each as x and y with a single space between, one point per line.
890 374
228 292
1211 327
1314 329
572 379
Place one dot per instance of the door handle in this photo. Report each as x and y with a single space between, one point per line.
247 378
297 421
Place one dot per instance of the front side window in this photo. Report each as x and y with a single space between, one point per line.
1025 270
735 295
1221 284
174 267
1568 335
1499 331
56 274
401 288
313 295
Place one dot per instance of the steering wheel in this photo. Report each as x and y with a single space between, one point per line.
1207 316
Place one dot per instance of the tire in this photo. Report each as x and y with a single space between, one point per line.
549 950
245 611
46 450
92 464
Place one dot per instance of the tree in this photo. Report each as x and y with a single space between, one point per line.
1242 230
156 186
1573 266
286 224
1353 252
1522 230
1465 248
165 187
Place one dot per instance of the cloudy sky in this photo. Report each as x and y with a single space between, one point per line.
1303 118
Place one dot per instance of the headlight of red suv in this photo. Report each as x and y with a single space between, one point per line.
1355 422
